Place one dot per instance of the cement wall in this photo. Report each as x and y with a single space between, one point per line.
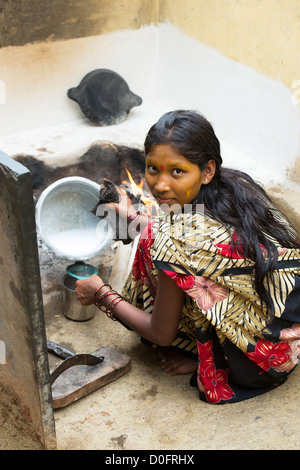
242 30
264 34
24 370
28 21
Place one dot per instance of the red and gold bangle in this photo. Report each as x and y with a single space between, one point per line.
133 216
104 294
112 303
97 290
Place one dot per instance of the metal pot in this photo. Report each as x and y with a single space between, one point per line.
65 222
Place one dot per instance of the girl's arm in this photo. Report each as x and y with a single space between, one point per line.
159 327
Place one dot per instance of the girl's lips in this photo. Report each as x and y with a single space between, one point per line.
161 200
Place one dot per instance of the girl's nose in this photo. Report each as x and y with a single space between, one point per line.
162 184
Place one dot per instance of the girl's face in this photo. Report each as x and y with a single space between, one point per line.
172 178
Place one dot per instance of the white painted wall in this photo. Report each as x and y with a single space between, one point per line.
254 117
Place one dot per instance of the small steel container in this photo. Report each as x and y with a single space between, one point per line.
72 308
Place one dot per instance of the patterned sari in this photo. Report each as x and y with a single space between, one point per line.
223 322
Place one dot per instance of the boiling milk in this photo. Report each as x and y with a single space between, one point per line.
77 243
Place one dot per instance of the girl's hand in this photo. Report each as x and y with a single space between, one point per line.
124 207
86 288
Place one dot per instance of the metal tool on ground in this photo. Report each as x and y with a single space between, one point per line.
70 359
80 374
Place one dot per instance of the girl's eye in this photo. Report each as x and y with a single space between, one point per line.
177 171
151 168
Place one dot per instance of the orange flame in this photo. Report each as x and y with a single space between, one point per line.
137 190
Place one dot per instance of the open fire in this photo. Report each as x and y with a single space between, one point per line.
143 195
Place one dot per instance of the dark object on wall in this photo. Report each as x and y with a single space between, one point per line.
102 160
104 97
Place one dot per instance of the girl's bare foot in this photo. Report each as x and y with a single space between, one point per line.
175 362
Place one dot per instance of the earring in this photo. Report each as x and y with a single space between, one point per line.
206 180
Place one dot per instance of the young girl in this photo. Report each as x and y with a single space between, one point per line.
216 274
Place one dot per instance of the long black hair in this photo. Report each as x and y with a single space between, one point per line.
232 197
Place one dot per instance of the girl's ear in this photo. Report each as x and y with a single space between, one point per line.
209 172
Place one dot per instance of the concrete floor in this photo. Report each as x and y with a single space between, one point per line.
151 410
147 409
